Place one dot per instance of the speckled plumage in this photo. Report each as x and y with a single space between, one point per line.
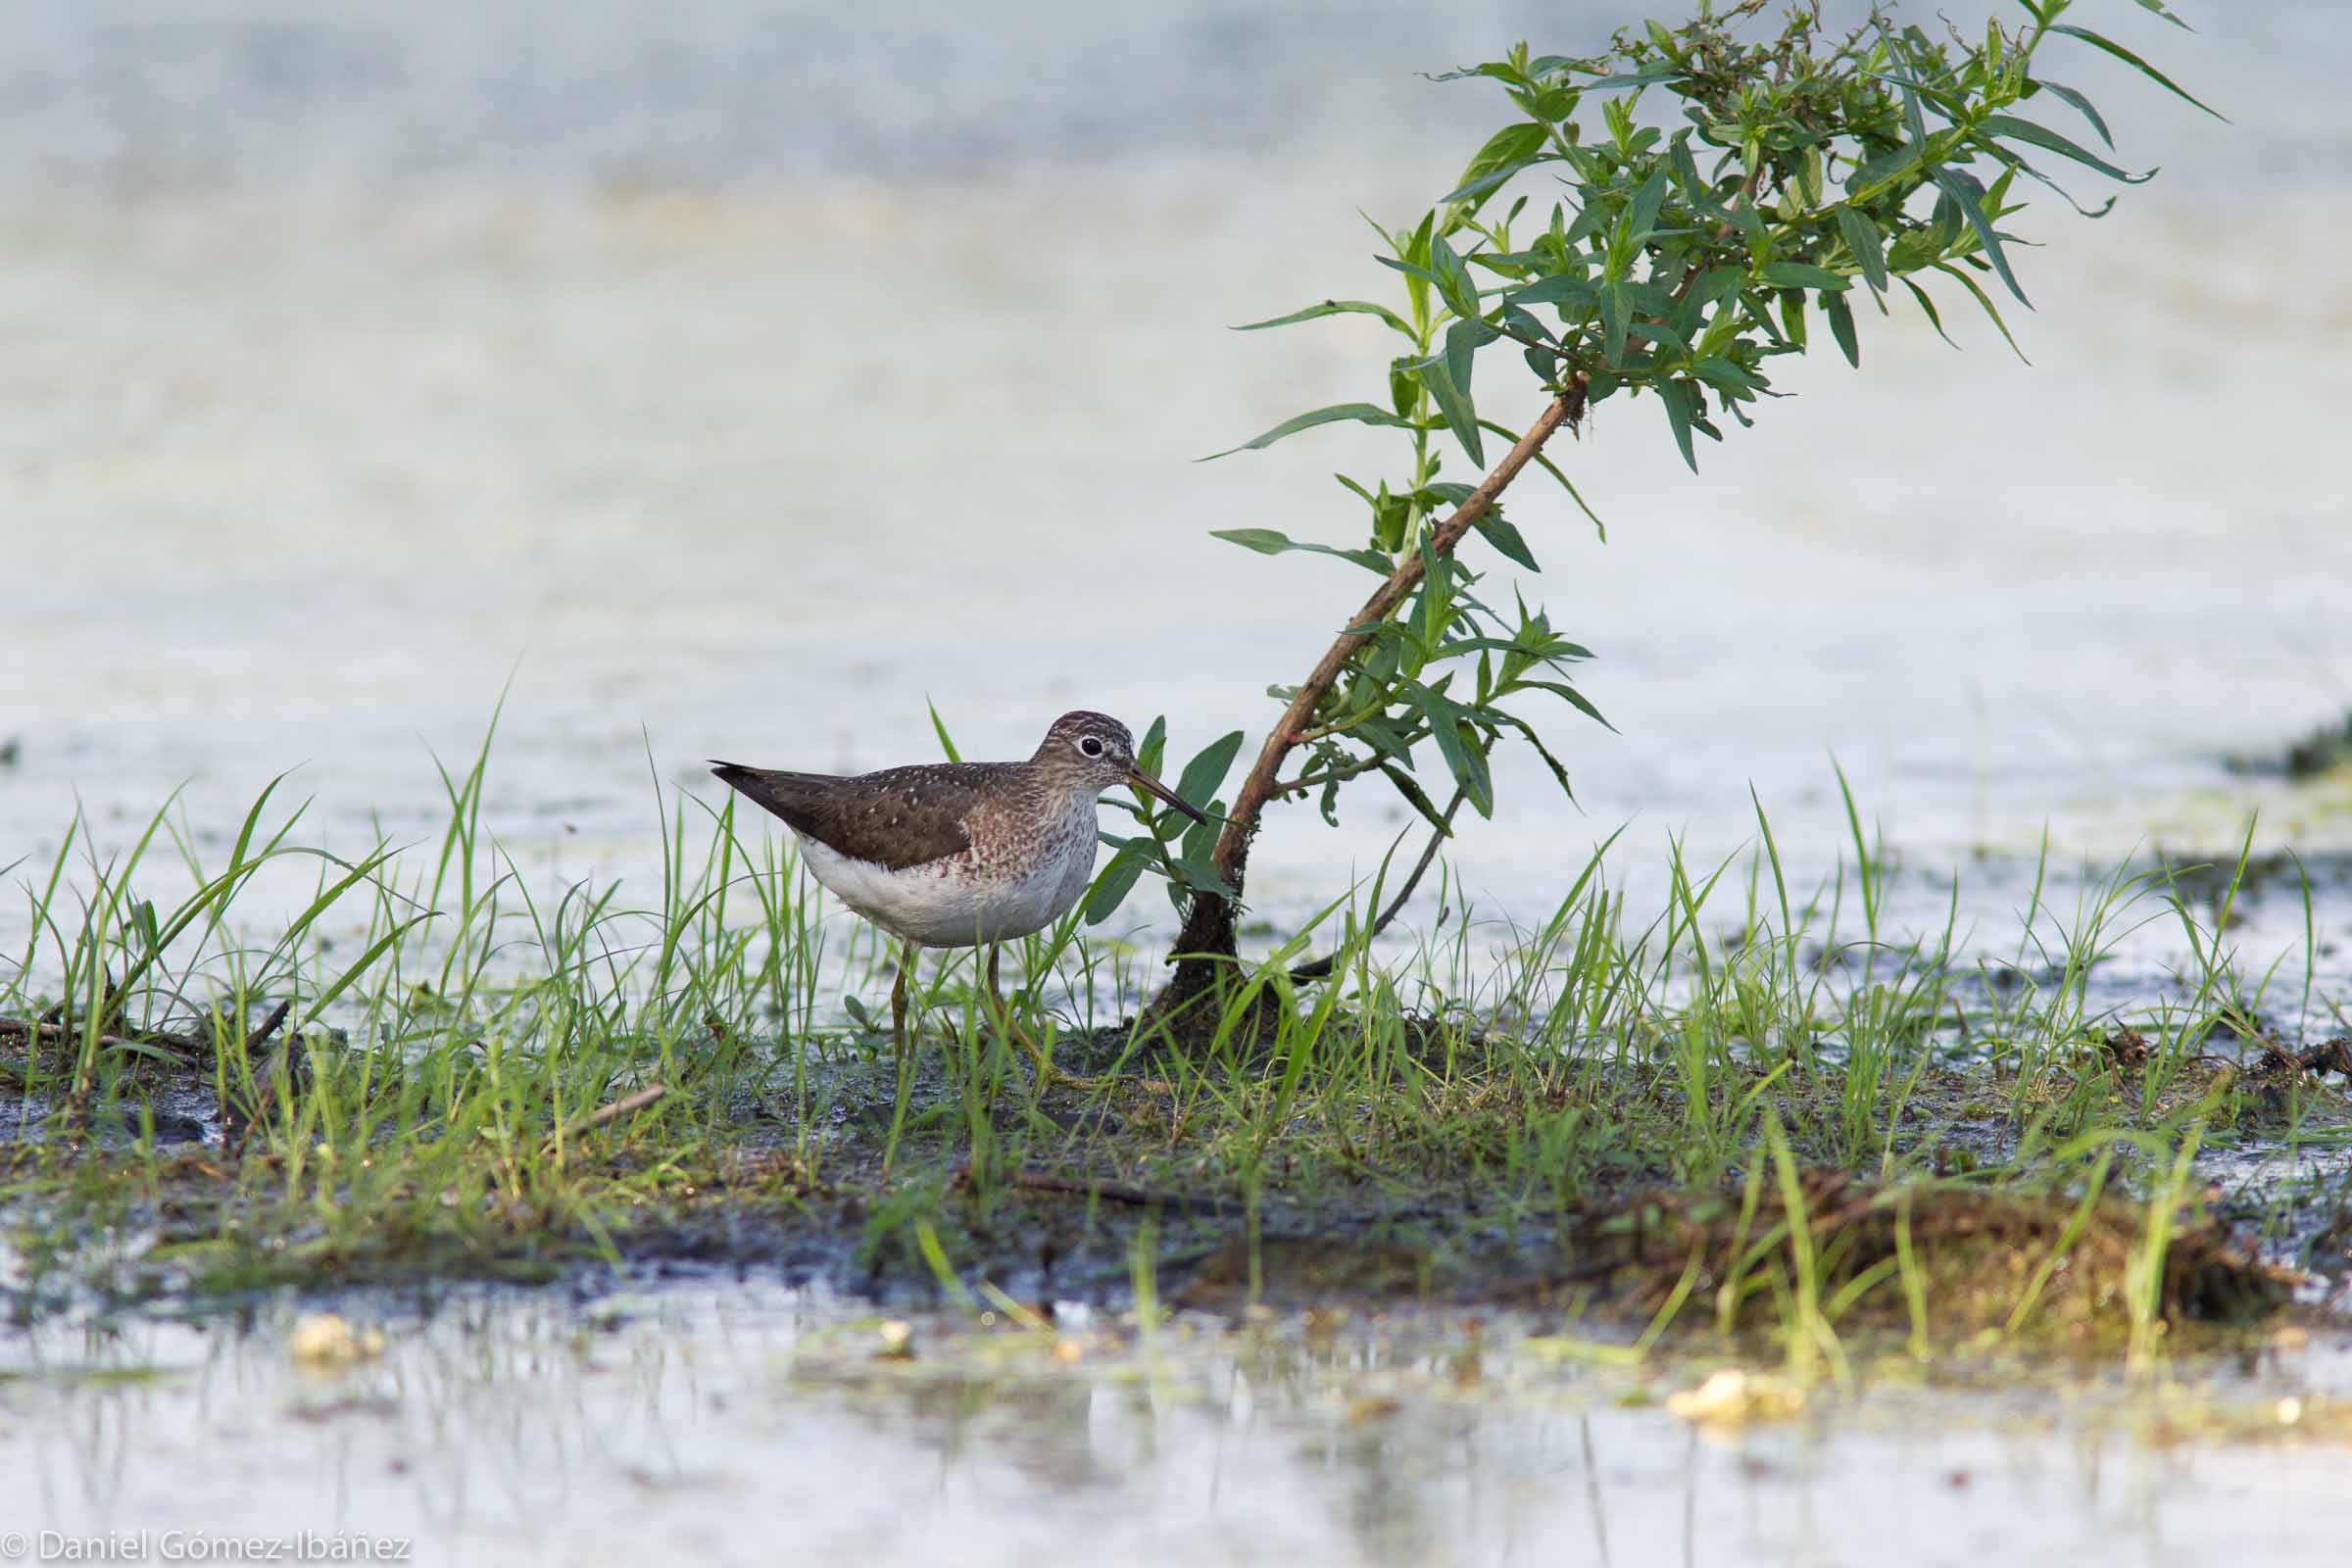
951 854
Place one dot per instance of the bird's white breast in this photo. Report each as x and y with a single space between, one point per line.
973 897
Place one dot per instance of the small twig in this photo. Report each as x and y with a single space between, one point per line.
31 1029
260 1036
2316 1061
1036 1181
1321 968
274 1081
111 1003
618 1108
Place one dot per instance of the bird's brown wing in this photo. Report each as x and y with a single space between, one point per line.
898 818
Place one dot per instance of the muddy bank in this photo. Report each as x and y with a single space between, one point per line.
1103 1198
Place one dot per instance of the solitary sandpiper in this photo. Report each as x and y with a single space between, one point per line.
960 855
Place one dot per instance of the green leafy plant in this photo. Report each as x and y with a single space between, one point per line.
1726 186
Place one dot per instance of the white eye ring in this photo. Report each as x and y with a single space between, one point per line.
1090 746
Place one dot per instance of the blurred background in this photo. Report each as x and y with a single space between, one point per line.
732 377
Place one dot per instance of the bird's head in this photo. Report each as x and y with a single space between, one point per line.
1095 752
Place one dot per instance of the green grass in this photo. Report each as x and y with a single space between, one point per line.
1757 1110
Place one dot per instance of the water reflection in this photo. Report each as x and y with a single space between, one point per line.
744 1423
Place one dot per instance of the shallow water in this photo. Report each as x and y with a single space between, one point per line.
308 449
394 451
731 1423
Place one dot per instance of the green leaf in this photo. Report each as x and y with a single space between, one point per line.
1969 283
1445 727
1414 270
1642 215
1332 308
1841 327
1455 286
1554 468
1265 541
1386 736
1792 314
1505 537
1862 237
1615 308
1685 174
1757 308
1876 174
1638 79
1461 647
1928 306
1723 374
2017 165
2110 46
1201 876
1798 274
1950 104
2083 106
1463 339
1199 837
938 727
350 976
1433 602
1359 412
1419 797
1507 152
1197 784
1677 398
1269 542
1405 391
2159 6
1453 402
1913 120
1493 67
1573 697
2011 128
1116 881
1561 288
1716 284
1965 191
1523 322
1560 769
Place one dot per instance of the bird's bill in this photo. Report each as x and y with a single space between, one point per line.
1146 784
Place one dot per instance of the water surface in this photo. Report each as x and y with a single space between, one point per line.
732 1423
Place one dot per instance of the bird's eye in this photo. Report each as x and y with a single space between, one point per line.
1090 746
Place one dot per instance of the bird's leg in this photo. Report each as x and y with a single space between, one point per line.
1046 1075
995 1001
898 999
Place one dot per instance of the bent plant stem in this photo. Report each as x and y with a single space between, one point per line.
1206 949
1321 968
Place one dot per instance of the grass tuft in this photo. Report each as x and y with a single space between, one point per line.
1760 1109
